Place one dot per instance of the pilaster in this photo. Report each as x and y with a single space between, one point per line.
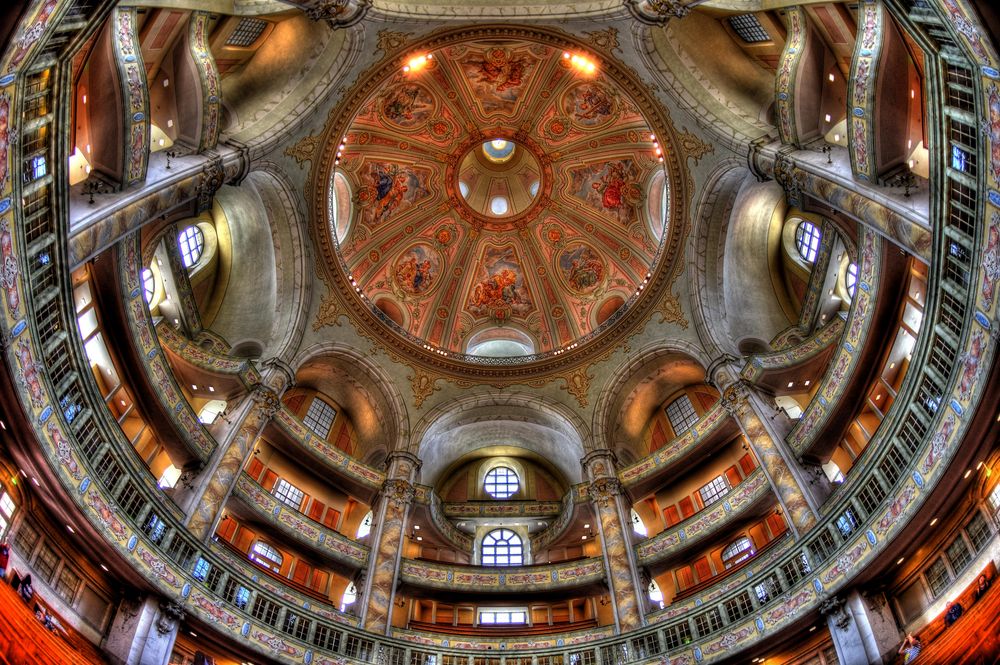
221 477
143 632
786 477
863 630
391 512
613 510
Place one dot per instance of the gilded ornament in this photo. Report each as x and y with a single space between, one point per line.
692 146
304 150
329 312
670 310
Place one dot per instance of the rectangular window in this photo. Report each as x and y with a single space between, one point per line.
25 538
681 414
326 637
847 522
677 634
582 657
423 658
959 555
265 610
748 28
236 593
823 546
739 607
359 648
7 506
319 417
393 656
296 625
154 527
67 584
288 494
201 570
995 500
247 31
613 654
45 564
180 551
768 590
938 577
557 659
503 616
449 659
713 491
796 569
979 531
646 646
708 622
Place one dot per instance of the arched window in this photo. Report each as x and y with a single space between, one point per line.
501 482
807 238
637 524
266 555
148 285
350 595
366 525
737 551
655 594
192 243
851 279
502 547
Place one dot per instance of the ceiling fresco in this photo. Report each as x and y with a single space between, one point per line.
498 190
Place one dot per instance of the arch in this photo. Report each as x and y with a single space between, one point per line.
471 424
639 385
704 268
362 388
293 269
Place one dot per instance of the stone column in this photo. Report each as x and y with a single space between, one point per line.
787 479
143 632
218 479
390 514
612 507
863 629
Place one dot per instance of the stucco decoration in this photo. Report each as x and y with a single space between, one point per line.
784 85
211 83
498 185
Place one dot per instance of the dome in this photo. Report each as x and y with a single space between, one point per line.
501 183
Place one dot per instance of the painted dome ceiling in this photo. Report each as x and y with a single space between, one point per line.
498 198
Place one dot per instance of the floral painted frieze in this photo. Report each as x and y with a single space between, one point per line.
706 522
795 355
486 643
844 363
154 362
788 67
651 465
501 508
568 575
326 542
331 456
861 89
135 92
208 74
196 356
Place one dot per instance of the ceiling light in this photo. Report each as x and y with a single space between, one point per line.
416 527
900 560
791 383
967 474
420 537
583 538
193 634
70 529
808 382
104 568
812 629
978 466
586 526
827 117
934 521
35 480
832 77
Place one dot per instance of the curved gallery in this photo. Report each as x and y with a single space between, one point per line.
386 354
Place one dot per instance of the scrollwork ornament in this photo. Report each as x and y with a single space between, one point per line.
398 492
656 12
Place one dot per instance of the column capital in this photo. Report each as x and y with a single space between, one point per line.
736 399
397 492
266 401
601 463
279 375
604 491
171 615
833 608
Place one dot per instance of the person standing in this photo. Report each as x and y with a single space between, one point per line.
4 558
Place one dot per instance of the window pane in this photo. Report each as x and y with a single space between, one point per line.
502 547
501 482
807 238
191 242
319 417
288 494
681 414
714 490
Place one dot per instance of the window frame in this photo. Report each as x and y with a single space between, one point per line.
808 238
318 421
284 492
686 415
501 488
740 555
495 547
191 244
264 558
715 494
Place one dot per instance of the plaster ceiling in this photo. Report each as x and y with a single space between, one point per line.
573 240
